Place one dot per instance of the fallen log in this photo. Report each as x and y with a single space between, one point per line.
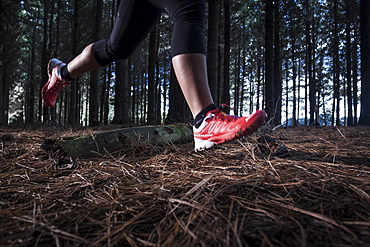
111 141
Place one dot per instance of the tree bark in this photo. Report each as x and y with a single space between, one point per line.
178 111
111 141
355 78
365 63
72 110
212 52
277 65
311 79
152 87
226 83
45 55
336 69
269 54
122 94
349 65
95 75
237 91
30 88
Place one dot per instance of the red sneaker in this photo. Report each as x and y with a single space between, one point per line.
55 83
218 127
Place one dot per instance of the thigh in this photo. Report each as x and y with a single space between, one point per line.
174 7
188 31
135 19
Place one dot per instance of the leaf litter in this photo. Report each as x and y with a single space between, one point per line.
306 186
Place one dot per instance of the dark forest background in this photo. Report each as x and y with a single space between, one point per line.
304 61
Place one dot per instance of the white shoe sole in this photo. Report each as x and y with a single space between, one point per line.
201 145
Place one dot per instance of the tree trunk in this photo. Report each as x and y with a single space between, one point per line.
237 92
53 110
133 98
336 68
259 77
152 87
349 65
294 79
355 80
294 71
72 110
269 55
44 62
30 88
103 97
165 88
245 74
158 115
4 93
306 96
365 63
95 75
178 111
121 139
299 90
287 92
107 95
226 83
316 93
122 94
311 79
212 52
277 65
143 98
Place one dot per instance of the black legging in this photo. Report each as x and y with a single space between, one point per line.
136 18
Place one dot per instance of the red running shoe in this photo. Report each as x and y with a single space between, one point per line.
218 127
49 92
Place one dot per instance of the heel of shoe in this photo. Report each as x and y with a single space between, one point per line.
52 64
201 145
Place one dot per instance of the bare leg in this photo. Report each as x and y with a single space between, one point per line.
191 72
83 63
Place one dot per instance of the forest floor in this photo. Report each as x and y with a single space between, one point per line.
306 186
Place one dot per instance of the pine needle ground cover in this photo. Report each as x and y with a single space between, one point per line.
307 186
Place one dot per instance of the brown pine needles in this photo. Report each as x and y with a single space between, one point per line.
307 186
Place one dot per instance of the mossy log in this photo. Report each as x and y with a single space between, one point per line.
111 141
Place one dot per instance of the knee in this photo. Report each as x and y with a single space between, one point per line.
117 51
106 52
87 51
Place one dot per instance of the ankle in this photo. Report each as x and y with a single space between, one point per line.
201 115
64 73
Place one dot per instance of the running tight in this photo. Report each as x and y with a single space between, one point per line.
135 20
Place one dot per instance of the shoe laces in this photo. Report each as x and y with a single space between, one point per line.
219 115
59 83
